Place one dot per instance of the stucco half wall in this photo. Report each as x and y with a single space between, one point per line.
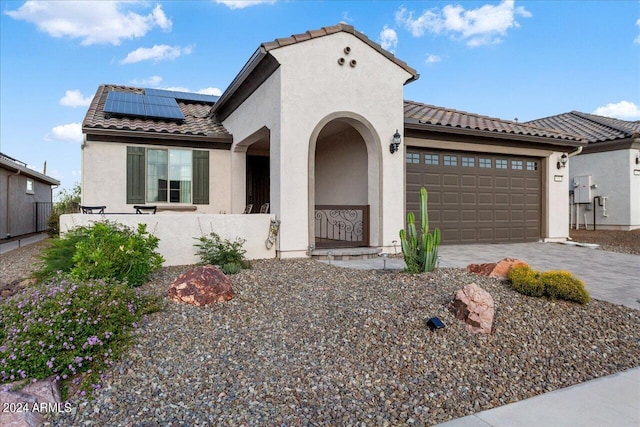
177 232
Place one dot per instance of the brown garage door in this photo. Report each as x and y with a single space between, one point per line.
476 197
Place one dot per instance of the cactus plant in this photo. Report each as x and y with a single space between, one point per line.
420 251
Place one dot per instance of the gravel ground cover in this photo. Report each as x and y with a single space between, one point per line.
305 343
610 240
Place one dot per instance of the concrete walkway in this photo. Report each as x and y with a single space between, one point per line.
20 242
608 276
608 401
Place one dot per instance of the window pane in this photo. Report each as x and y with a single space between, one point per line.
180 176
501 164
431 159
29 186
451 160
157 175
532 166
516 164
468 162
413 158
485 163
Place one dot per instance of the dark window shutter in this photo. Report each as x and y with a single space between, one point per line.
135 175
200 177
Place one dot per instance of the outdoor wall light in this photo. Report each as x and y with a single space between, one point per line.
394 146
638 158
563 161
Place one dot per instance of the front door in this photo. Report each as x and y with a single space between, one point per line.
257 182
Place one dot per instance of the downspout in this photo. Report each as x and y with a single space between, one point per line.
9 202
575 153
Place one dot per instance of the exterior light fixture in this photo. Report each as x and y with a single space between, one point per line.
638 158
563 161
394 146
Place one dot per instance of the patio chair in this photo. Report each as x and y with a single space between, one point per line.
264 208
248 209
142 209
92 209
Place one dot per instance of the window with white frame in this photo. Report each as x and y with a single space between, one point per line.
30 189
169 176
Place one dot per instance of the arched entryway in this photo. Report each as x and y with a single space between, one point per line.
344 183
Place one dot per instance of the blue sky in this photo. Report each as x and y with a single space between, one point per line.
524 59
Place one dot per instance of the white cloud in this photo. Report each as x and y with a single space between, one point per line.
482 26
388 38
432 59
71 132
637 39
241 4
74 98
624 110
210 91
346 17
159 52
94 22
151 81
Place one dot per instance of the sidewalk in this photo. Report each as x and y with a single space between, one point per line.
20 242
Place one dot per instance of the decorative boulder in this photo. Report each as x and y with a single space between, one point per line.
499 270
39 397
474 306
201 286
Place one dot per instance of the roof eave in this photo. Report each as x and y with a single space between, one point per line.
415 124
221 138
7 164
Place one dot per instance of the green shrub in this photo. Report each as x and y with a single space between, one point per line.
214 250
105 250
552 284
66 327
526 281
68 202
231 268
564 285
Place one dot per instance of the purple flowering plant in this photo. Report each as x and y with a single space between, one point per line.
65 327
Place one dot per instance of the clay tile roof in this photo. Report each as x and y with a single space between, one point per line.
449 118
325 31
196 120
592 127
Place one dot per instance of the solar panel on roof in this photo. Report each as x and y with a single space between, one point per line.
183 96
133 104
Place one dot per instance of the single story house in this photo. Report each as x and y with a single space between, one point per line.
604 179
316 126
26 198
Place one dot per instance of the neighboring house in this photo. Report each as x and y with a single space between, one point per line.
25 198
606 174
316 125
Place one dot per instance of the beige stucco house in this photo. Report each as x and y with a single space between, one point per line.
316 126
604 179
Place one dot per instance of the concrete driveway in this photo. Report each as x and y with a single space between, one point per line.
608 276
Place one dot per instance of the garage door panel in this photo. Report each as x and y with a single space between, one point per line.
449 198
469 199
477 197
449 180
485 182
501 182
469 181
468 215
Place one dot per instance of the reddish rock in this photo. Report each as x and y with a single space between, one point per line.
474 306
499 270
201 286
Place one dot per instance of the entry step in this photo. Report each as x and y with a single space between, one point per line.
345 254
